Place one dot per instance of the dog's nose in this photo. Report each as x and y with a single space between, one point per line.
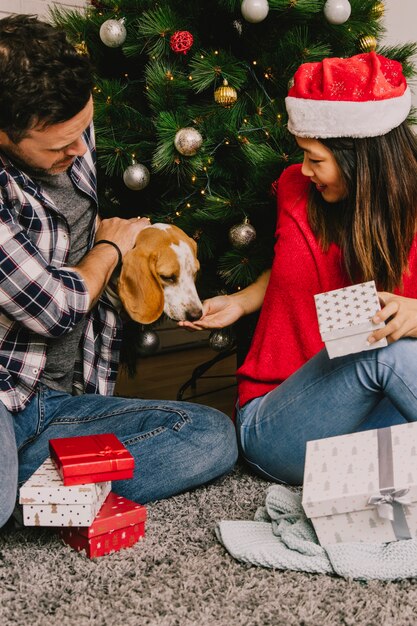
193 314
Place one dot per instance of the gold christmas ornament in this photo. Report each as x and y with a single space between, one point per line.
377 10
81 48
367 43
225 95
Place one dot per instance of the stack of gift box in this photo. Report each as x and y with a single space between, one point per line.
72 490
362 486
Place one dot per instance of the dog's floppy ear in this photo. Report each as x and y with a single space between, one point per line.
139 288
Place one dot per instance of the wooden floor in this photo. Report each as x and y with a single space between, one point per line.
161 376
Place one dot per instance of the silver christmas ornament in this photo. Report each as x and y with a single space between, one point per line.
113 33
337 11
188 141
147 343
136 176
221 339
254 11
242 235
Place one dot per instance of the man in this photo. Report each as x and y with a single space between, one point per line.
59 334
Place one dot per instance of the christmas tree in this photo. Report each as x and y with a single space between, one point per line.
190 117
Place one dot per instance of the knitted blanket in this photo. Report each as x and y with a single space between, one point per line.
282 537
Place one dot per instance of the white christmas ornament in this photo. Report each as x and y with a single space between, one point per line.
254 11
337 11
188 140
136 176
113 33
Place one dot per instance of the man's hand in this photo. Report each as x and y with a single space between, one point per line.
399 315
122 232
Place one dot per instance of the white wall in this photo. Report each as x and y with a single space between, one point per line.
36 7
400 20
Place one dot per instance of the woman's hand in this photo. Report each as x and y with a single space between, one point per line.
399 315
218 312
222 311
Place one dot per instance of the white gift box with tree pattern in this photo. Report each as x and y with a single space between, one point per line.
345 318
363 486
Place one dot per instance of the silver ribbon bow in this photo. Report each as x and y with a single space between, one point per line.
384 502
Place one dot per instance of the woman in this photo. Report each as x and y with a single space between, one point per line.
348 214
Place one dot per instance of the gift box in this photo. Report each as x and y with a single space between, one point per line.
363 486
119 524
91 458
345 318
48 502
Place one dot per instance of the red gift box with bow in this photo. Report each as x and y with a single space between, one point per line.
119 524
91 459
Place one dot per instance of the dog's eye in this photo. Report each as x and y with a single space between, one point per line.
169 279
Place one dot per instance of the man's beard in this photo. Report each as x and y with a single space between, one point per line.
30 168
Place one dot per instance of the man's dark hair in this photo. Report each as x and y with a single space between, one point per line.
43 80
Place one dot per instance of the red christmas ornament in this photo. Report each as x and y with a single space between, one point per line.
181 41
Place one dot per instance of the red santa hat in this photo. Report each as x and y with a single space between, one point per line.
363 96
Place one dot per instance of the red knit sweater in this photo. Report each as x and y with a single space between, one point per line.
287 333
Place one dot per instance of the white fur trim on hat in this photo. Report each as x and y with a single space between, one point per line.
328 118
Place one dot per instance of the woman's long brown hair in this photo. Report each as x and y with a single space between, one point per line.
376 224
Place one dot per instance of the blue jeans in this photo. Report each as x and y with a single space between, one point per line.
176 445
324 398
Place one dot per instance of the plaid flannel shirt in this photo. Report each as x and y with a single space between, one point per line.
39 297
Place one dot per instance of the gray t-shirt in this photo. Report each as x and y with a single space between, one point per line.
78 210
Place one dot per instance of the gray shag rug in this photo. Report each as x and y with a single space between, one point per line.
180 575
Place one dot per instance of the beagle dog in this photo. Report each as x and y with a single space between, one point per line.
158 275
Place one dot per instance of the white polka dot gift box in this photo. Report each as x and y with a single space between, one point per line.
345 316
363 486
48 502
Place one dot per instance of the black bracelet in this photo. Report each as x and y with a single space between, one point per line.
115 246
